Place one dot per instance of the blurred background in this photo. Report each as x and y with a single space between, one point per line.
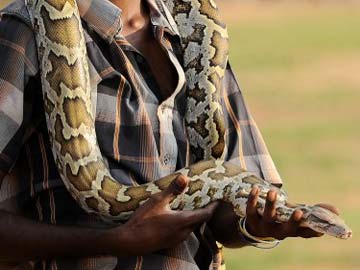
298 65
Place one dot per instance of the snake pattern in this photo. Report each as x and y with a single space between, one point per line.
71 123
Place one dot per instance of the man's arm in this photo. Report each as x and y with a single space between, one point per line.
23 239
152 227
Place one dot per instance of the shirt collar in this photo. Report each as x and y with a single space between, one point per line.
160 16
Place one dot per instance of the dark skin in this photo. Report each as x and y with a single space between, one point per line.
137 31
154 225
224 223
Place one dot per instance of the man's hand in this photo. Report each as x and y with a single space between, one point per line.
266 226
224 224
152 227
155 226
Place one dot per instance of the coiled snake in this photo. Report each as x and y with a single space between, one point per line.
70 121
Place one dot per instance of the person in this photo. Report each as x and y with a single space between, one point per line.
139 88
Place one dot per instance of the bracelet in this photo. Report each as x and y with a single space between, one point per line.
258 242
264 240
262 243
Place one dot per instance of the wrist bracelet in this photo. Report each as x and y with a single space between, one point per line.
258 242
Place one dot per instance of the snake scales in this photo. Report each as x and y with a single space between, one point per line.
70 121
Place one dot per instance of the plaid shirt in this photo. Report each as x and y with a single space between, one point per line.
141 136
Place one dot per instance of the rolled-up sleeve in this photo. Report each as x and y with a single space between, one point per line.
245 144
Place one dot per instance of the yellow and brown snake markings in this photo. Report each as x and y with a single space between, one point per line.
70 121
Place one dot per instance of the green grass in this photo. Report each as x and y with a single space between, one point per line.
298 68
284 42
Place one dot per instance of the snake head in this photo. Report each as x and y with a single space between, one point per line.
324 221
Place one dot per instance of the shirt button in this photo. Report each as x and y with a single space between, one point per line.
166 159
162 109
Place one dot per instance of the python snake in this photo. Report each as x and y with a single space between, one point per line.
71 126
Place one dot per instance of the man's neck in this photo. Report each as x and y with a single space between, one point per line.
133 14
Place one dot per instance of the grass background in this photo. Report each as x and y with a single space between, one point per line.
298 64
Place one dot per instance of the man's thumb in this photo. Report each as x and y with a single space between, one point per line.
175 188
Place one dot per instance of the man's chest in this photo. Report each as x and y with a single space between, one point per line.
156 60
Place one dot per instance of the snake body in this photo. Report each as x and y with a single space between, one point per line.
70 120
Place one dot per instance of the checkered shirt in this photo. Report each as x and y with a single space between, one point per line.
141 136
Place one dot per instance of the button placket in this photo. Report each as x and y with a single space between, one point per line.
168 144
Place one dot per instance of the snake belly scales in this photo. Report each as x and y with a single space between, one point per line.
71 123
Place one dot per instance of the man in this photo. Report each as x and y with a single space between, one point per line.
135 67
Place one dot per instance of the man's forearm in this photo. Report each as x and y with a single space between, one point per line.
23 239
153 226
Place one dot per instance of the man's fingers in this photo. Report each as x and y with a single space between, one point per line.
251 210
252 217
292 226
270 206
178 185
174 189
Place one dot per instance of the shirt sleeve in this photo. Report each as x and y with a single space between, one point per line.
18 63
245 144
